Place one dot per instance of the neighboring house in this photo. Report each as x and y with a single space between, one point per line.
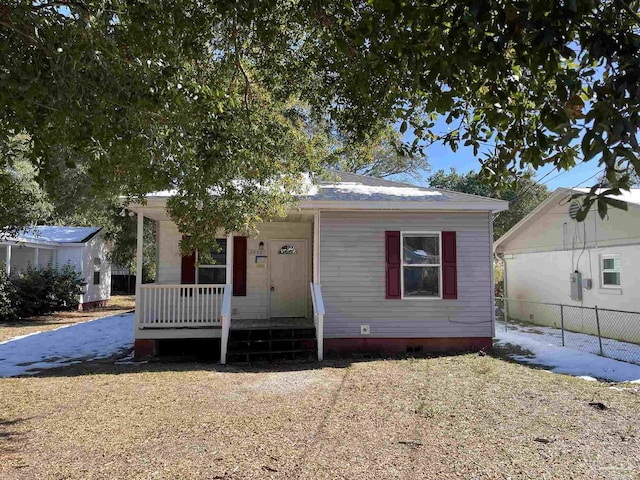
364 263
551 257
83 248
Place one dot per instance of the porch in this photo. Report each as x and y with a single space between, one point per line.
17 257
269 289
204 311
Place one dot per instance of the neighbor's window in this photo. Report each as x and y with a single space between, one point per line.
421 265
215 273
610 268
96 270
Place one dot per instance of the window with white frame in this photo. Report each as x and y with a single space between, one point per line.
214 273
421 265
610 271
97 262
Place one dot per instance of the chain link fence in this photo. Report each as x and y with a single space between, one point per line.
602 331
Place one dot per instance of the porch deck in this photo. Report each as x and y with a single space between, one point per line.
204 311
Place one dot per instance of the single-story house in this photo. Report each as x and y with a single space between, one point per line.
550 257
360 264
84 248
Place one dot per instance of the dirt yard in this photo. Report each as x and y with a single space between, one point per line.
467 416
117 305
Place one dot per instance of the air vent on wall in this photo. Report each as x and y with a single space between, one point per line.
573 209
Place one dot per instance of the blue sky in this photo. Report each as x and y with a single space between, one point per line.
442 157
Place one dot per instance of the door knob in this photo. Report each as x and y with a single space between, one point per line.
273 288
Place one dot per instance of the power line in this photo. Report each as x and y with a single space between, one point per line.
599 171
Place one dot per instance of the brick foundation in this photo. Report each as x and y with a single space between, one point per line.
143 348
90 305
405 345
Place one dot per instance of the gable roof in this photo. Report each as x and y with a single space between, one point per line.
631 197
56 234
349 190
343 186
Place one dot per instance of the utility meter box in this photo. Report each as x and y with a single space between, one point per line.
586 283
576 286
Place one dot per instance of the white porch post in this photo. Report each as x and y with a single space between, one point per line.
229 260
36 257
316 247
8 264
139 248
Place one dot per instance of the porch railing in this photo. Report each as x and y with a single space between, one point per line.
318 317
225 314
180 306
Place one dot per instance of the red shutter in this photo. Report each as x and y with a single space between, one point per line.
449 267
239 266
392 248
188 269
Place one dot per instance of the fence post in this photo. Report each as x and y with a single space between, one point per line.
562 321
506 314
599 336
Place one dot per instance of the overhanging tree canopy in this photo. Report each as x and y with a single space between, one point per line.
219 96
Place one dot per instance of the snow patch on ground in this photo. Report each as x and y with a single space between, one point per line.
563 359
625 351
360 189
67 345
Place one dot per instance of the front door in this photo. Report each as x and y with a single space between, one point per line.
288 278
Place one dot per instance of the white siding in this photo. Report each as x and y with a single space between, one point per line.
21 258
352 275
71 256
553 229
96 248
544 277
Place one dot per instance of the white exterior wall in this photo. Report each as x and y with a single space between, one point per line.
46 256
255 305
544 277
96 248
21 258
353 278
71 256
542 254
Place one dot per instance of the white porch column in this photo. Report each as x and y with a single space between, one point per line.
8 264
230 260
36 257
139 249
316 247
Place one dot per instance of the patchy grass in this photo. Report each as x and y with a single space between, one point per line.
465 416
117 305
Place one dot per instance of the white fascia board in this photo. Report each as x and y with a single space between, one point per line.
496 206
493 206
31 243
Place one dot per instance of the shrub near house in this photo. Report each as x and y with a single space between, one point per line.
39 291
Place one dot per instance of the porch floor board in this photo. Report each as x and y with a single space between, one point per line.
270 323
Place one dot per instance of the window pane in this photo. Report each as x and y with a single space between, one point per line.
608 264
212 275
611 278
421 281
219 257
421 250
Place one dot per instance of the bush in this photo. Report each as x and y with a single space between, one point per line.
39 291
8 309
